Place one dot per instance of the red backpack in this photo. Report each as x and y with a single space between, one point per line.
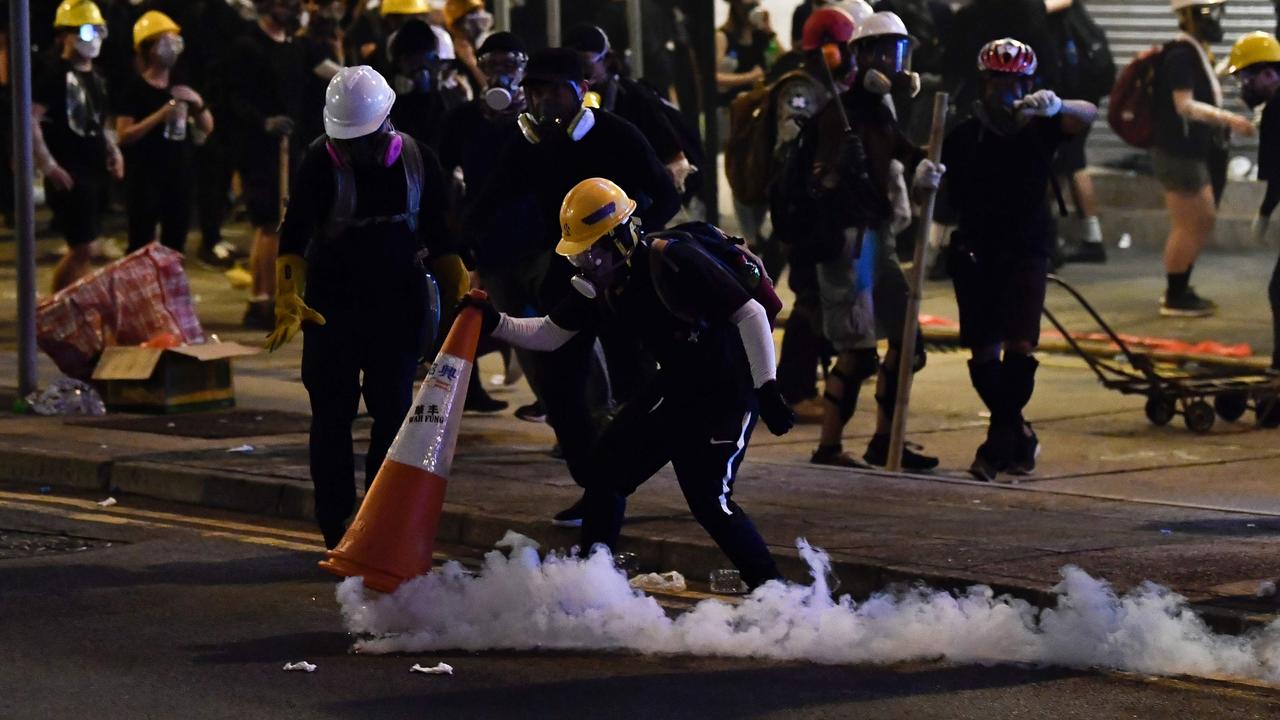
1132 106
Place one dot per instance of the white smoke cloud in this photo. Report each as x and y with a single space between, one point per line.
522 602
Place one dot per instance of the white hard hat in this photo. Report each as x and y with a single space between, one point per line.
881 23
1177 5
356 103
445 50
859 10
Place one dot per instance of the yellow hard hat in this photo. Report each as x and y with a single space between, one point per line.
592 209
456 9
1253 48
74 13
153 23
405 7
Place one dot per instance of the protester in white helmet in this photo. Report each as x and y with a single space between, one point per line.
1189 149
857 158
367 208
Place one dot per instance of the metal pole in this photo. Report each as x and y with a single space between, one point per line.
24 230
502 15
553 23
907 352
635 38
703 37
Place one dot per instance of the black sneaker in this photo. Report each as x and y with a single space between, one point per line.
877 455
1025 453
570 517
1187 304
984 468
260 316
482 402
835 456
532 412
1084 252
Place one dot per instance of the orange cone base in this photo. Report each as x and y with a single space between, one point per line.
394 533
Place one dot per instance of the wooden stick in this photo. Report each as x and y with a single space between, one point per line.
907 351
284 175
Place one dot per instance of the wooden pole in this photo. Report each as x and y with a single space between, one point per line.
907 351
284 175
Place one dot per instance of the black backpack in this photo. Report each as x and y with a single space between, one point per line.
1088 68
729 252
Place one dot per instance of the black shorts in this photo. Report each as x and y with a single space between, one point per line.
1070 158
1000 298
260 189
78 211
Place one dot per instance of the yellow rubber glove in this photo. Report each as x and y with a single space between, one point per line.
291 311
453 278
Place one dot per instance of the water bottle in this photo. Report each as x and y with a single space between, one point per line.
175 128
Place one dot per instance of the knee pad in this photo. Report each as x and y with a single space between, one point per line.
865 364
852 368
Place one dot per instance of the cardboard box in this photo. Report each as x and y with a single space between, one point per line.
189 378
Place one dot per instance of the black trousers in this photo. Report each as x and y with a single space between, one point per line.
154 197
705 442
343 360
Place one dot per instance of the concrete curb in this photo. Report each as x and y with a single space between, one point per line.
473 528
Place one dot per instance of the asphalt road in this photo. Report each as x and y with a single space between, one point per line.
153 611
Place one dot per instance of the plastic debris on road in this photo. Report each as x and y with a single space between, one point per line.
438 669
241 449
671 580
67 396
300 666
1266 588
107 503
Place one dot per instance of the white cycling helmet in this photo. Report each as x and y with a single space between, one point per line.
356 103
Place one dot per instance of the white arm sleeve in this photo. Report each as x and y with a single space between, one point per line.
1203 112
540 333
757 340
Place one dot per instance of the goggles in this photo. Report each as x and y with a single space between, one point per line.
89 33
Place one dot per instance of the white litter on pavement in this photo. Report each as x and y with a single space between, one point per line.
1266 588
438 669
107 503
527 602
300 666
241 449
671 580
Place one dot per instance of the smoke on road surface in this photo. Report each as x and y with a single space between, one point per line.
522 601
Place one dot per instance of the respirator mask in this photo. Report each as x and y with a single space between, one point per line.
89 41
603 264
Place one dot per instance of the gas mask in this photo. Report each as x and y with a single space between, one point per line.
1000 96
503 71
89 41
477 24
1258 86
544 126
167 50
886 63
605 264
422 79
1205 21
378 149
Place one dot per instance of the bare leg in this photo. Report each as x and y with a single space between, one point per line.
73 266
1192 217
262 263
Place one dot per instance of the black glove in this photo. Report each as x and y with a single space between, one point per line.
774 410
278 125
490 314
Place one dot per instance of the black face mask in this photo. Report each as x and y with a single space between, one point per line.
1206 22
1251 96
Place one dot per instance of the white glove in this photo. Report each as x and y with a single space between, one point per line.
928 175
1258 230
1041 103
680 170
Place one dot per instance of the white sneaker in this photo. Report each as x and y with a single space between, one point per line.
107 248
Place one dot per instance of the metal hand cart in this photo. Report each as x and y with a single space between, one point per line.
1168 392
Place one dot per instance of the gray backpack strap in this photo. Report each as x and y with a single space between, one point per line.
414 170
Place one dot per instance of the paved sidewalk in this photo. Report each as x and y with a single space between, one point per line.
1115 496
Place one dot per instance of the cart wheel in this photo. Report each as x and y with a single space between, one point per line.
1199 416
1160 409
1268 411
1231 406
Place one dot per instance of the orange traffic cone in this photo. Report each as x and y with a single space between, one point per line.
394 532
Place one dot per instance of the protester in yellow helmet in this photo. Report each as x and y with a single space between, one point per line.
1255 62
700 304
153 115
366 219
73 149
